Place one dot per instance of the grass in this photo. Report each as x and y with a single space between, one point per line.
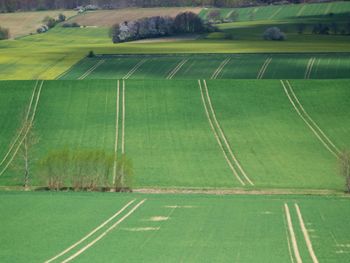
200 228
168 137
243 66
23 23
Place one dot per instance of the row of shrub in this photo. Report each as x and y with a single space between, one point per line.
89 170
158 26
325 29
4 33
50 22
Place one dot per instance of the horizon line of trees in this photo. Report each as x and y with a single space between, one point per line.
25 5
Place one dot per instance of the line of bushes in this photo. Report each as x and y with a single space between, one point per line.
89 170
158 26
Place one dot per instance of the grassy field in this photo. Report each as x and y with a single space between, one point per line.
186 228
24 23
242 66
279 12
107 18
168 135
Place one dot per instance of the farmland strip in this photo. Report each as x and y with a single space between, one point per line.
306 121
217 136
22 129
104 233
176 69
306 235
87 73
116 136
26 132
292 234
310 119
133 70
220 68
224 137
91 233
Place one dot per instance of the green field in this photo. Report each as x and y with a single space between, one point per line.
168 135
242 66
171 228
279 12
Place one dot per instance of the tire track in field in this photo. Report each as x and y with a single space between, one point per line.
177 68
234 163
306 235
217 137
220 68
275 13
93 68
329 6
301 10
309 67
263 68
23 127
116 135
90 233
82 250
121 101
317 131
292 234
136 67
26 129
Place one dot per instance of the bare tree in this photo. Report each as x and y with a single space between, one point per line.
345 168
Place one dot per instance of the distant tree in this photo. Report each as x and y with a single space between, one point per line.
345 168
4 33
91 54
61 18
49 21
274 33
301 28
348 28
320 29
188 22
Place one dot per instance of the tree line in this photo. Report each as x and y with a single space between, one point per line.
151 27
15 5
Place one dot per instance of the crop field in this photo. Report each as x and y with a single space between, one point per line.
280 12
24 23
242 66
107 18
186 227
208 134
